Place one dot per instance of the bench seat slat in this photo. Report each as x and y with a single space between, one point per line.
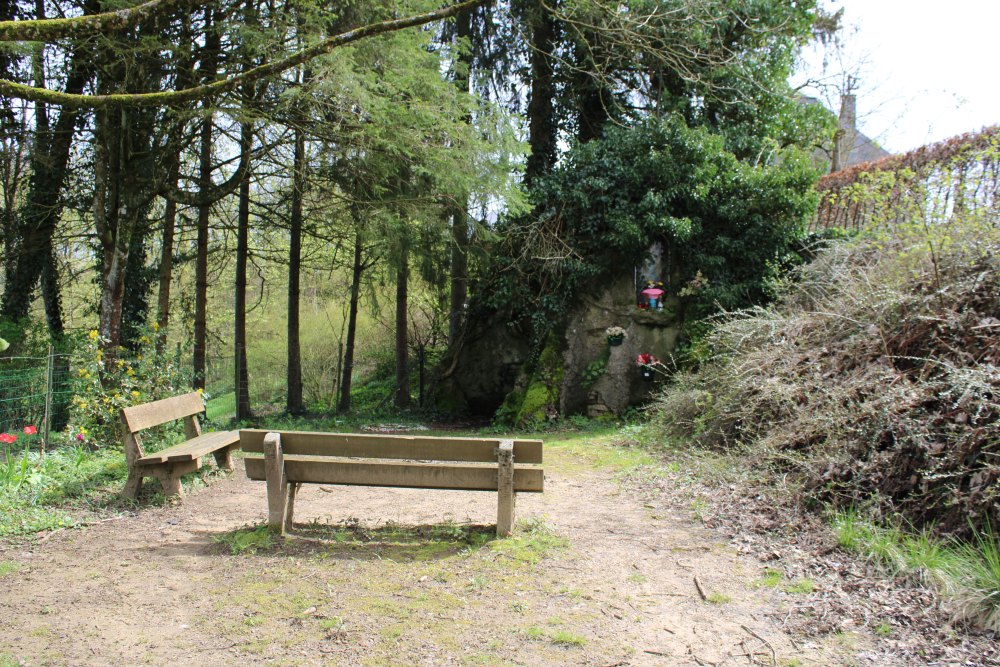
192 449
411 474
365 445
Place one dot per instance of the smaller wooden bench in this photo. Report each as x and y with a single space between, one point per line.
288 459
169 464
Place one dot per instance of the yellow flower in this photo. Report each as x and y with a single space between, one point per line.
135 394
93 334
201 391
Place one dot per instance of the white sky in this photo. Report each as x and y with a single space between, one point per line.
928 69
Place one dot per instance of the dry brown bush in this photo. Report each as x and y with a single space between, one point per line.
875 380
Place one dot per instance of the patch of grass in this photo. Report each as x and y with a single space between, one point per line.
533 541
248 540
598 449
800 586
718 598
966 572
883 629
637 578
566 638
770 579
7 660
534 633
476 583
9 567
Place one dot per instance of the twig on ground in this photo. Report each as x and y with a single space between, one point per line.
701 591
774 656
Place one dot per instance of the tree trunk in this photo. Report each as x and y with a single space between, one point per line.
542 126
166 273
352 324
459 274
242 379
201 258
135 307
43 205
402 343
294 404
459 216
53 316
207 70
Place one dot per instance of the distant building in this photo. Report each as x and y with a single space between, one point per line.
850 146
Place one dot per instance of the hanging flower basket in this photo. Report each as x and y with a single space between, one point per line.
647 364
615 335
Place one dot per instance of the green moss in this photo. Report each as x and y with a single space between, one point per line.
542 395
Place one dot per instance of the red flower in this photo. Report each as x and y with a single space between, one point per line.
646 359
30 430
7 438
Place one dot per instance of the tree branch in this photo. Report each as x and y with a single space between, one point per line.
52 30
22 91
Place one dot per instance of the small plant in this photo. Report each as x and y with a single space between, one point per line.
770 579
718 598
883 629
800 586
249 540
566 638
593 372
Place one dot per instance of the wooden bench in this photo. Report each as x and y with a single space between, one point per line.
288 459
169 464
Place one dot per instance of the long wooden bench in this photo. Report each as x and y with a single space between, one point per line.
169 464
287 459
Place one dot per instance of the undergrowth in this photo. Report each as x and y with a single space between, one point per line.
873 382
966 572
877 376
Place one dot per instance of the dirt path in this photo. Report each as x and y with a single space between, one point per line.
595 578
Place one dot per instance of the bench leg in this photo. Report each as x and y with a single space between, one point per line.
171 484
293 488
505 488
170 474
224 458
132 485
274 473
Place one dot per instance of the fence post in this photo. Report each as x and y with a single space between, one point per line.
47 420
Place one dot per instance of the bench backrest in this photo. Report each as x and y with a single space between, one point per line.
364 445
140 417
147 415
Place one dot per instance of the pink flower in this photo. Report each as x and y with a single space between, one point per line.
30 430
79 436
7 438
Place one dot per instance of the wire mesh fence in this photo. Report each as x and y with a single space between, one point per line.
267 387
39 391
35 392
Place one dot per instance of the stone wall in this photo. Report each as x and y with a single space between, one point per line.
621 384
578 372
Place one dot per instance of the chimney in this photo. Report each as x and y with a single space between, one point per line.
846 133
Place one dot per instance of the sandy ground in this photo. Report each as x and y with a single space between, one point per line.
597 576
